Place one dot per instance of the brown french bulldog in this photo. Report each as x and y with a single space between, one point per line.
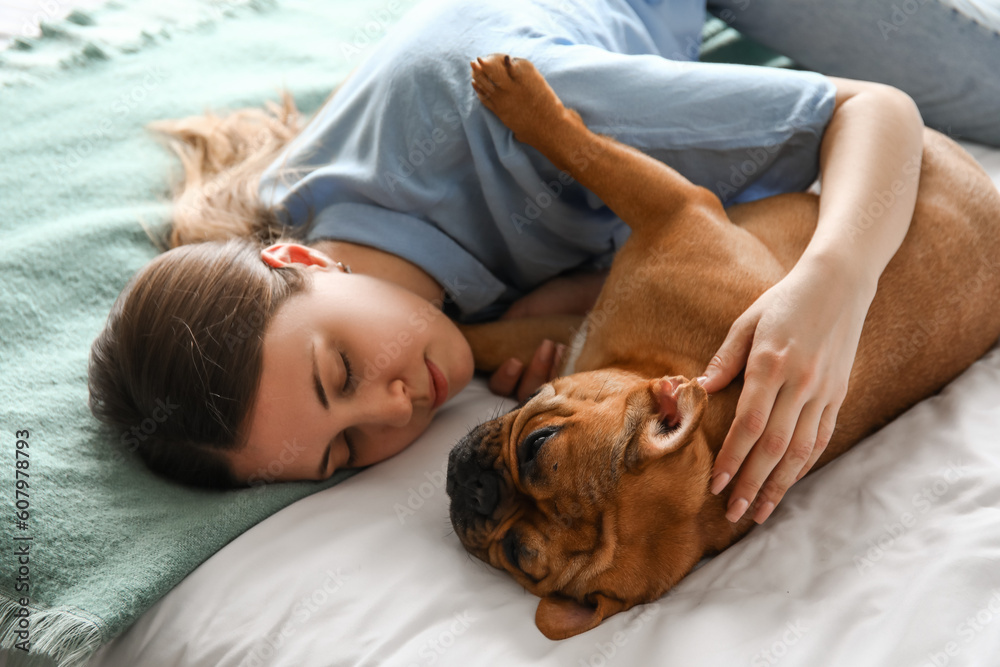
594 493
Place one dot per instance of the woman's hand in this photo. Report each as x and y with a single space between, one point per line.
799 338
798 342
512 378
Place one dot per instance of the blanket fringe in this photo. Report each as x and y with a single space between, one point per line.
60 636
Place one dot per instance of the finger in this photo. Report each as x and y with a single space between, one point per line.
765 453
800 448
752 412
827 424
504 379
732 356
537 372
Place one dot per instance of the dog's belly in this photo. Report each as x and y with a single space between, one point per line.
936 311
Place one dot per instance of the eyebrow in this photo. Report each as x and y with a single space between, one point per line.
321 394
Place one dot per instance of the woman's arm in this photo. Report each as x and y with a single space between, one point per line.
799 339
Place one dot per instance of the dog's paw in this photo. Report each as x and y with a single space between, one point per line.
518 94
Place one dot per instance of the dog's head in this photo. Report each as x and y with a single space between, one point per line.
588 493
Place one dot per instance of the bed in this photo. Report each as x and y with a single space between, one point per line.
888 556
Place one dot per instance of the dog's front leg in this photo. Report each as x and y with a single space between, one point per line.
493 343
642 191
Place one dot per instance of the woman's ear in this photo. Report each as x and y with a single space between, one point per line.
283 254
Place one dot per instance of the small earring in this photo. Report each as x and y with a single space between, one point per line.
346 268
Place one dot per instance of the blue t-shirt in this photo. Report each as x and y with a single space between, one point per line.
405 158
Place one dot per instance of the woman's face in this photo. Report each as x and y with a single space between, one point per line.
354 369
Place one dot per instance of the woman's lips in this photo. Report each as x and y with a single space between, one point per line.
439 384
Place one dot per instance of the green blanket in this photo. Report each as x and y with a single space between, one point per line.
90 538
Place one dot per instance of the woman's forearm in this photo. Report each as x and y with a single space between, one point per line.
870 166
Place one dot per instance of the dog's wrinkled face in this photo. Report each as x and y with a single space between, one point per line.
579 491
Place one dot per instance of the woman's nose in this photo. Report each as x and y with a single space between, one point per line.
392 407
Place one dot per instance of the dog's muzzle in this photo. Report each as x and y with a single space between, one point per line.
469 485
474 485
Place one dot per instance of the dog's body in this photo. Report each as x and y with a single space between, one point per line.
594 493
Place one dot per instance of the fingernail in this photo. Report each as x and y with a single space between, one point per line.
701 380
548 347
763 512
737 509
719 483
514 367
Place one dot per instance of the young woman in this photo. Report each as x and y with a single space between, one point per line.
405 204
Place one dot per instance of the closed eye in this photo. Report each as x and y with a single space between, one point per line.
510 548
513 549
348 375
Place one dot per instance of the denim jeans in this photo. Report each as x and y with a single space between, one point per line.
945 54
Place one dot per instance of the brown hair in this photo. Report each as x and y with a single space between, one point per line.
223 158
177 366
178 363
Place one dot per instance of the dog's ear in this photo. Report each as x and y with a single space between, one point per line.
561 617
681 404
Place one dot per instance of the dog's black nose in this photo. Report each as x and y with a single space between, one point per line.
469 485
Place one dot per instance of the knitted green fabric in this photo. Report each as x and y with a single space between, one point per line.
102 539
105 537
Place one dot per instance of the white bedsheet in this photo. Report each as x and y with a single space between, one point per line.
888 556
